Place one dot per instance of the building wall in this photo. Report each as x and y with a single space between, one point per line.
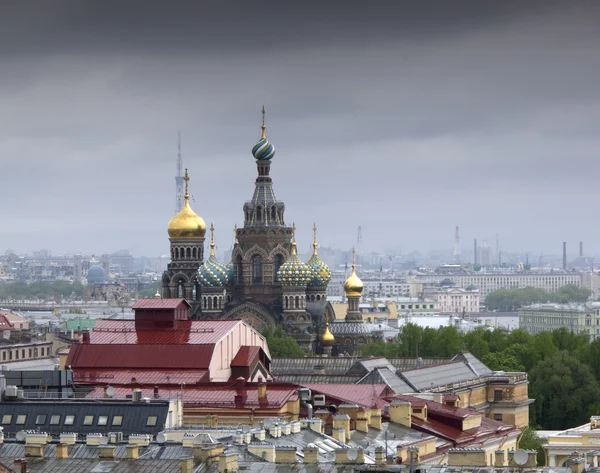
25 351
228 346
457 300
580 319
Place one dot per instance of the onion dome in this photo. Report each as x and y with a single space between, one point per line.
321 274
353 285
327 339
212 273
294 272
186 224
157 295
263 150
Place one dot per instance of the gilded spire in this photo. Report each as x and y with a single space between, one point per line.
315 244
186 178
263 127
353 258
212 240
294 252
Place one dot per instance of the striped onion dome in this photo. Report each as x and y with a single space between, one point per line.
263 150
294 272
321 274
213 273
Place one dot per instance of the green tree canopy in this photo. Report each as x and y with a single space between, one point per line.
281 344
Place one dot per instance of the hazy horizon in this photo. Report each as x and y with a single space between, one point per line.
404 118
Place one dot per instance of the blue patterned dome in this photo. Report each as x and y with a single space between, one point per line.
321 274
213 273
294 272
263 150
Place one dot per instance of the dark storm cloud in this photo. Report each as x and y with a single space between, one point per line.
404 117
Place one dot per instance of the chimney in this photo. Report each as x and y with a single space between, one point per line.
311 454
187 465
106 451
133 452
565 255
62 450
581 249
34 450
319 369
240 392
380 453
499 458
228 462
85 336
262 392
22 465
475 259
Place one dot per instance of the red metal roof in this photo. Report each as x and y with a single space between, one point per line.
5 324
158 304
245 355
213 395
365 395
145 377
193 332
156 357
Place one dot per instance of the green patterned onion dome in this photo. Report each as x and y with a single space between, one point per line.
263 150
294 272
321 274
213 273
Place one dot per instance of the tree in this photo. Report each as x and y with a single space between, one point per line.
475 342
571 293
447 343
503 361
565 391
281 344
409 338
529 440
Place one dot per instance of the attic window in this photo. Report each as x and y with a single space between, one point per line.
417 410
54 420
102 420
69 420
40 419
21 419
117 420
6 419
88 420
151 421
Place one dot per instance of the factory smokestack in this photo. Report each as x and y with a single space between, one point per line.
475 258
581 249
565 255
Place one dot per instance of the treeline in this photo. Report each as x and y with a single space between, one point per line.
563 367
507 300
18 290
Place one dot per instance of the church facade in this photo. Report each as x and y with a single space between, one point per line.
264 283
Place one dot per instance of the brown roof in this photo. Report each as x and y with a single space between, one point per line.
158 304
245 355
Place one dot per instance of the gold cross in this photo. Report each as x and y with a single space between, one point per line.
186 178
263 127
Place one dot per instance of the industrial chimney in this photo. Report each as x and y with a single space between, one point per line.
565 255
475 259
581 249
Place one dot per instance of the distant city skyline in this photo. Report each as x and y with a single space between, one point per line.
406 119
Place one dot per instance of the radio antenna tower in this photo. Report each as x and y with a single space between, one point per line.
179 177
457 245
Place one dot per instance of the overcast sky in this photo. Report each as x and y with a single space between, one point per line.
406 118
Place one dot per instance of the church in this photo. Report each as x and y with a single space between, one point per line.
265 283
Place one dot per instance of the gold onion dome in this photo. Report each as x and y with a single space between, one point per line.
327 338
321 274
186 224
213 273
294 272
263 150
353 285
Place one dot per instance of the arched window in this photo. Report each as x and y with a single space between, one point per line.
216 302
239 278
277 263
210 303
194 254
318 297
176 253
188 253
180 289
297 302
258 213
194 291
256 269
273 214
286 302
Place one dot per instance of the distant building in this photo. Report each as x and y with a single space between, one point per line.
578 318
582 441
456 300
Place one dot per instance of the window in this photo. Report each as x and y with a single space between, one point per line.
54 420
3 356
498 417
6 419
88 420
23 353
277 263
151 420
497 394
17 354
21 419
102 420
117 420
69 420
40 419
256 269
239 278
